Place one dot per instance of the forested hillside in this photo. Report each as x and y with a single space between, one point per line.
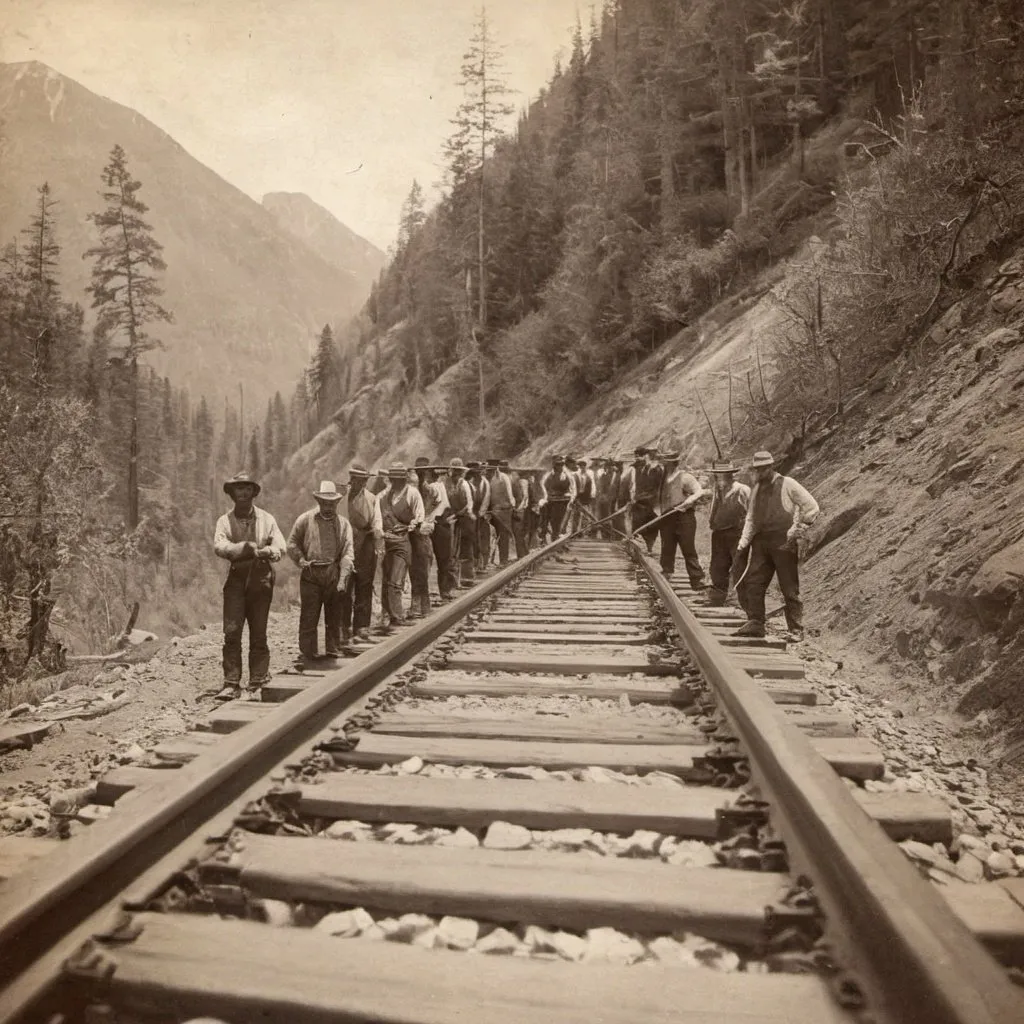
683 148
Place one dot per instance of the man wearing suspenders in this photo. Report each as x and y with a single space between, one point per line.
401 511
363 513
460 501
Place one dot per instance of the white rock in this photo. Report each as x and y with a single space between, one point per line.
347 830
570 838
411 766
345 924
407 927
501 940
642 843
970 868
503 836
460 839
569 946
999 865
430 938
663 779
458 932
612 945
919 851
690 853
278 913
539 940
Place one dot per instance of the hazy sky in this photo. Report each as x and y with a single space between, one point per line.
293 95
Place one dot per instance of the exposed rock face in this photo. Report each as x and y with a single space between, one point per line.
247 295
999 583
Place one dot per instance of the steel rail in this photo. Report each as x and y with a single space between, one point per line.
57 893
912 957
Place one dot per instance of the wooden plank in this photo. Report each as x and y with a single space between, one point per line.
920 816
236 714
281 688
688 811
854 757
820 723
994 916
242 970
566 664
112 786
377 749
493 636
185 747
556 618
769 665
579 728
435 685
531 886
532 628
18 851
21 735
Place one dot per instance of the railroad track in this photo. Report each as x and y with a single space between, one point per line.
573 769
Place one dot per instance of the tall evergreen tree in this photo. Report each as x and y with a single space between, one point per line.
125 289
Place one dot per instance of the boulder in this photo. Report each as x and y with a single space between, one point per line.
503 836
1001 337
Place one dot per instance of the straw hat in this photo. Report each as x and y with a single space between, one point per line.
761 459
328 492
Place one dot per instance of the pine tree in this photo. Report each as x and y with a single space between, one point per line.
125 290
254 452
270 441
322 375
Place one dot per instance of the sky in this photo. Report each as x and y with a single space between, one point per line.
345 100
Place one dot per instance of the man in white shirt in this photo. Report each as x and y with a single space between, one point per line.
560 488
728 513
678 494
401 512
460 502
363 514
780 510
436 530
481 489
249 539
500 506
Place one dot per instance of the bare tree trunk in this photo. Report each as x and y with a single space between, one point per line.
133 453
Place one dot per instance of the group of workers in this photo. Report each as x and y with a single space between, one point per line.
459 516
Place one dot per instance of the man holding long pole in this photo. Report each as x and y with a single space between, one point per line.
677 496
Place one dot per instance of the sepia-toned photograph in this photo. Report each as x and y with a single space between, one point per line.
511 511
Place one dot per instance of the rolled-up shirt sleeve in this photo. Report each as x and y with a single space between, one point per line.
805 508
275 539
223 545
348 558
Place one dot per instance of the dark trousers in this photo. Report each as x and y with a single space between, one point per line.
501 520
643 513
771 555
483 543
619 522
556 517
723 553
604 508
533 531
465 548
445 557
679 530
318 589
419 573
248 593
397 556
519 531
357 600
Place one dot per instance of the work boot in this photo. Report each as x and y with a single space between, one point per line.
750 628
231 691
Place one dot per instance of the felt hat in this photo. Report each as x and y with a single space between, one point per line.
723 467
397 471
671 457
558 460
494 463
761 459
422 462
473 464
457 465
503 464
357 469
328 492
640 450
240 478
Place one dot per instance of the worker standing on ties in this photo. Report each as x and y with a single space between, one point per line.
603 492
320 544
586 492
521 501
728 512
560 487
481 507
624 496
460 500
536 509
363 513
420 540
401 511
249 539
438 517
500 508
677 498
647 476
779 512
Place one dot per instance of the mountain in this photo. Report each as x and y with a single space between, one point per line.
246 294
326 235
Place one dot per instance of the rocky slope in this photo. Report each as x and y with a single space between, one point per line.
247 295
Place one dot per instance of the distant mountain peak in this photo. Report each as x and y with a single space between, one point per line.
327 236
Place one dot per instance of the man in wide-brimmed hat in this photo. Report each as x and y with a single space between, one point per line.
401 511
433 538
362 509
248 537
779 512
520 503
647 477
728 511
463 520
501 503
677 500
560 487
535 513
481 507
320 544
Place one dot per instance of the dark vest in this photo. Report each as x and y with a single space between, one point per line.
558 485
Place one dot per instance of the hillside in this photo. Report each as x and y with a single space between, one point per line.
322 232
247 295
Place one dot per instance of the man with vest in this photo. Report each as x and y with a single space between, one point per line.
536 508
481 489
560 488
677 497
647 476
320 544
500 505
460 502
586 492
624 493
520 503
249 539
363 514
401 512
779 512
602 497
420 539
438 525
728 512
